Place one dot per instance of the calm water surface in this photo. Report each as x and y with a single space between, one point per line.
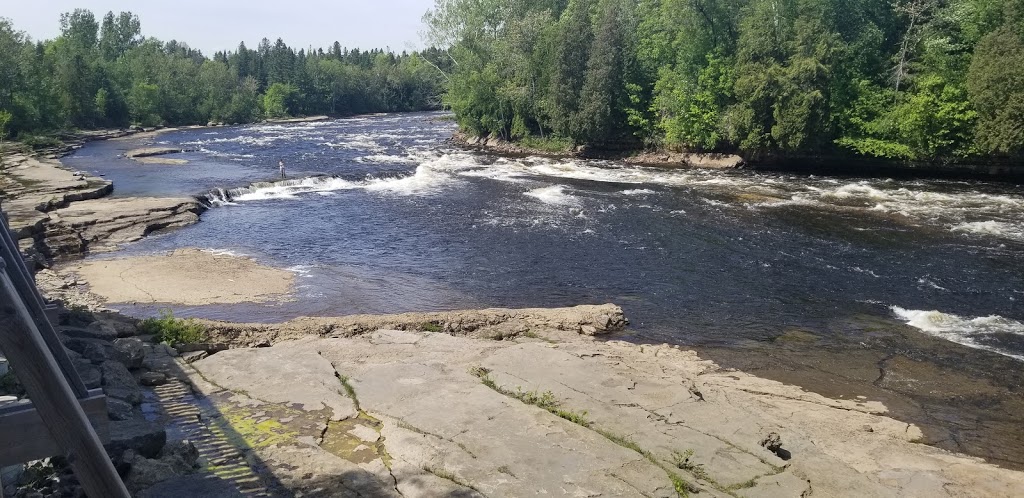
380 216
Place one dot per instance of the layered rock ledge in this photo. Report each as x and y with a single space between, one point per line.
494 323
153 155
55 212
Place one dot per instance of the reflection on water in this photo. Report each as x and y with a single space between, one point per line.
380 216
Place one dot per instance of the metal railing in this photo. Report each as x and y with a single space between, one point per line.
55 421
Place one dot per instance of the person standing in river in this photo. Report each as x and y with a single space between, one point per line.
280 167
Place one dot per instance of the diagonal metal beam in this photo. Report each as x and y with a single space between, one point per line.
25 285
31 358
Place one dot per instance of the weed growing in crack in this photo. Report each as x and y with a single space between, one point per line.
449 476
431 327
545 400
684 461
349 390
743 485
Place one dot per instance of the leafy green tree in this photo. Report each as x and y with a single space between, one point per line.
279 100
144 104
996 86
119 34
569 67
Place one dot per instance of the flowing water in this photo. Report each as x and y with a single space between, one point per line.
379 215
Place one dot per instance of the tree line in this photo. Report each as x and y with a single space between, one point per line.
899 79
106 74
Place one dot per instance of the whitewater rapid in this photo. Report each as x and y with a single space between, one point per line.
960 210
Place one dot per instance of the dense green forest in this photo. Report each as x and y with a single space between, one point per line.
901 79
105 73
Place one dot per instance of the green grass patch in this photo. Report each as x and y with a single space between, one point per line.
431 327
171 330
349 390
37 142
547 144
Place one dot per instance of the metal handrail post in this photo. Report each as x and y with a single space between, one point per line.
53 397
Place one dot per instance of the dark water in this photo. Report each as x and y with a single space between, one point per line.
705 258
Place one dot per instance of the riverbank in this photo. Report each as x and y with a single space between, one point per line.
56 213
838 165
899 372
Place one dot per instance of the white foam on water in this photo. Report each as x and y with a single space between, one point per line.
992 227
428 177
963 331
387 159
224 252
933 285
638 191
554 194
864 271
302 271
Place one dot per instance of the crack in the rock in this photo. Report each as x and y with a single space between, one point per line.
882 365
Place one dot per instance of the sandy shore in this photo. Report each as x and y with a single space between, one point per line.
188 277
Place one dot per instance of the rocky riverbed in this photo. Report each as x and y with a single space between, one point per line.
492 402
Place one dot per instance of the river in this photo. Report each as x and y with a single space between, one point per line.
379 215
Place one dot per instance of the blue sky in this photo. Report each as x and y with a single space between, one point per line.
212 25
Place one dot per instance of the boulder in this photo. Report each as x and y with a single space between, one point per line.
90 375
122 327
90 332
153 379
95 350
177 459
119 383
129 350
138 434
119 410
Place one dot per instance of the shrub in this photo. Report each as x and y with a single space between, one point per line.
40 142
171 330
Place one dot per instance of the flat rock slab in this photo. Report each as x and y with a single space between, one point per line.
172 278
292 374
439 415
152 151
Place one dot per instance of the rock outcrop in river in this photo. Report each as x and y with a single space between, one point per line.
55 212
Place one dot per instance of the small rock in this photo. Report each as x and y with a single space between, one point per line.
153 379
588 330
194 356
90 375
868 428
184 450
123 328
146 472
96 350
138 434
772 442
119 383
119 410
91 332
129 350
